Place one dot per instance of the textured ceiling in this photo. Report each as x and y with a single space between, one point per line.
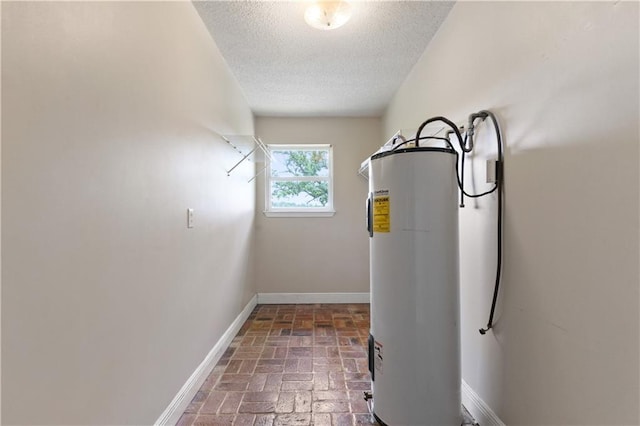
287 68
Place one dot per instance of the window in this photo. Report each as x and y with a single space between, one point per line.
299 181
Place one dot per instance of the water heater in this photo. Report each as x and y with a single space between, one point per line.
414 346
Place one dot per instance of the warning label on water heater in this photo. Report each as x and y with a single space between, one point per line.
381 211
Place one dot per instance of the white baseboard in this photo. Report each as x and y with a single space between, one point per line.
289 298
181 401
480 411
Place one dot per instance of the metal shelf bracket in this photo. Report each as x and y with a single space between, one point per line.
255 150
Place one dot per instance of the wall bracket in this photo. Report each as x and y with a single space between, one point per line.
250 147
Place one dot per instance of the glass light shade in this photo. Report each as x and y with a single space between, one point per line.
328 15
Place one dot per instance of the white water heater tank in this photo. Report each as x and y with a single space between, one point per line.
414 347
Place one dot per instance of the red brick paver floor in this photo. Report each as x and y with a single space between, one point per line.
290 365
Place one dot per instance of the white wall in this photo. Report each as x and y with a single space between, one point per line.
0 221
318 255
110 114
563 79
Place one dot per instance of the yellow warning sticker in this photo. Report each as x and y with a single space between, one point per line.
381 212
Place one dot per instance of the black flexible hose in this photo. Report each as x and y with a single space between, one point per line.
462 179
462 149
448 123
499 186
469 136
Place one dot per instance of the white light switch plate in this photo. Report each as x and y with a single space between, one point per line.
189 218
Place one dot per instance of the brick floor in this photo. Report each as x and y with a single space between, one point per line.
291 365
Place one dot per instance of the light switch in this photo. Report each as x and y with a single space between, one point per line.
189 218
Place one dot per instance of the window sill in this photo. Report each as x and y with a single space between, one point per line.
300 214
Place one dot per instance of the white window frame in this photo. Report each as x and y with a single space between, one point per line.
326 211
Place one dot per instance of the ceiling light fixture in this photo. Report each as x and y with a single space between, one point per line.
328 15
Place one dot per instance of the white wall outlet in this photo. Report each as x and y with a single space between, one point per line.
492 171
189 218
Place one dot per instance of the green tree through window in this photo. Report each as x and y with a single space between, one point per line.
300 178
304 163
